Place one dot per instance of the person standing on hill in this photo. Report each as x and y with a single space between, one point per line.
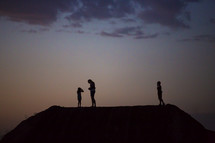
92 89
159 89
79 96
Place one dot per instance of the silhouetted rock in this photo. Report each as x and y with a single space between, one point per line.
146 124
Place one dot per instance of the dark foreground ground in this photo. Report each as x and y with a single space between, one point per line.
146 124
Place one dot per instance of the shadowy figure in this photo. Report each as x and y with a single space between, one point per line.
160 93
92 89
79 96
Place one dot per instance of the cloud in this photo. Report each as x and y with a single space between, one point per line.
34 31
129 31
165 12
128 20
69 31
106 34
45 12
63 30
150 36
101 10
200 38
135 32
125 31
36 12
73 25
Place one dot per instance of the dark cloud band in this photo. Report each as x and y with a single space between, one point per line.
200 38
40 12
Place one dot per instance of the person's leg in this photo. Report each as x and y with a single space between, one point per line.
163 102
93 99
94 102
91 95
159 100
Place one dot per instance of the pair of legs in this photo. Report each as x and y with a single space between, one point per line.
79 100
79 103
92 94
161 100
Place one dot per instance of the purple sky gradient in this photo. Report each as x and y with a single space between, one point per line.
50 48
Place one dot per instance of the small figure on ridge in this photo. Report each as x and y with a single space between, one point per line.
160 93
79 96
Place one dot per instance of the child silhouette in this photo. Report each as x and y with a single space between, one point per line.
79 96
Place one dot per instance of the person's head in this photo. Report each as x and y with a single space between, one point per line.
158 83
80 90
89 81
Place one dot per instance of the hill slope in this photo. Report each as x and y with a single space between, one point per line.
148 124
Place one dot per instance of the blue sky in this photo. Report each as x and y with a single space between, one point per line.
50 48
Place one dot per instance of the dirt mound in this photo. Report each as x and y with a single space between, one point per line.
148 124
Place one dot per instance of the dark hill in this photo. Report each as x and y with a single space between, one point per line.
147 124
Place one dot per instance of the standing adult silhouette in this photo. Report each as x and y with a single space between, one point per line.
92 89
159 89
79 96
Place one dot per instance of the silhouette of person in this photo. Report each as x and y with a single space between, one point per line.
79 96
92 89
159 88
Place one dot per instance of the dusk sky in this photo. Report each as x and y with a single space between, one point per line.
49 48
